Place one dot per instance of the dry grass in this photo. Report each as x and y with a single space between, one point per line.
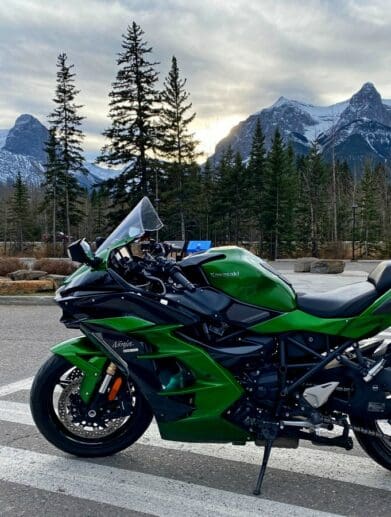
55 266
8 265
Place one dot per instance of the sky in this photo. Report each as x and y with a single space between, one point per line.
238 56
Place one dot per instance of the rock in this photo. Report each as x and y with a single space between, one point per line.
327 266
25 287
58 280
28 262
303 264
26 274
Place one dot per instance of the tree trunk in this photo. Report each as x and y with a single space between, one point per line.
54 222
276 227
68 221
334 193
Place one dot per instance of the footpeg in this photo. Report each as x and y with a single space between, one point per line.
377 368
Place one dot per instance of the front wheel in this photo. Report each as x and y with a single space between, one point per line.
377 447
63 419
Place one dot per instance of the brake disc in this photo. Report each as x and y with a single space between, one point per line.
74 417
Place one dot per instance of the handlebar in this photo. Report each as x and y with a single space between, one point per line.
179 278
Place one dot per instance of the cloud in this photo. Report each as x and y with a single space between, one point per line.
238 56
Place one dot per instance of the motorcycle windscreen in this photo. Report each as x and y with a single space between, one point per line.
143 218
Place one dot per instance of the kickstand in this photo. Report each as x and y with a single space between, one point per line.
265 459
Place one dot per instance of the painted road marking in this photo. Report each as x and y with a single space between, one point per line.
24 384
359 470
134 490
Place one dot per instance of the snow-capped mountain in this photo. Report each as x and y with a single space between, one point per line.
356 129
22 148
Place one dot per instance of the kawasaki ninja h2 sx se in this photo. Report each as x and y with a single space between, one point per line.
217 347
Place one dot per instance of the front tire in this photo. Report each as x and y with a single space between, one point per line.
378 448
93 441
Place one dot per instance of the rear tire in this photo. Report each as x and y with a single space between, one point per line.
48 422
379 449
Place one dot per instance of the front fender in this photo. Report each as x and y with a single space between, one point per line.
80 352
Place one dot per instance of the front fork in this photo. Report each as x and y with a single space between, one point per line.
80 352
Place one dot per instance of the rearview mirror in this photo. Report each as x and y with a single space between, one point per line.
80 251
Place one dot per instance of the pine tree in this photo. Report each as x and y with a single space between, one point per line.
312 200
53 185
20 211
206 198
369 204
254 181
345 191
276 195
291 194
133 134
65 123
222 202
178 145
99 204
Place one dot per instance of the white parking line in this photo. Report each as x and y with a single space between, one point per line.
24 384
134 490
15 412
321 462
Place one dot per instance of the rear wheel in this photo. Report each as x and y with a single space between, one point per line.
63 418
377 447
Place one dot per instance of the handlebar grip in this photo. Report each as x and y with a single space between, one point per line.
179 278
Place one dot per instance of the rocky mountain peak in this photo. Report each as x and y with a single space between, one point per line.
366 104
354 130
27 137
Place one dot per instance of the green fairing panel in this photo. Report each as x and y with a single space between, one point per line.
215 390
81 353
366 324
241 275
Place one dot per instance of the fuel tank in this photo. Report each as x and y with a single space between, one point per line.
244 276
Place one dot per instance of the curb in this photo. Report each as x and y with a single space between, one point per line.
26 300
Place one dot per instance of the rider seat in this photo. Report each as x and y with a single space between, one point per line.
349 300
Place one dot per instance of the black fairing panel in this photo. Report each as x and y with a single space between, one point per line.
204 301
199 258
211 303
248 348
91 281
98 305
191 266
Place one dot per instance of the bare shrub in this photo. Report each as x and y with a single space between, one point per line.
56 266
9 264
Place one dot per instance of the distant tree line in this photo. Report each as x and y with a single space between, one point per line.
276 202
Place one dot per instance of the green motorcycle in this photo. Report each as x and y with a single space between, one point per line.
217 347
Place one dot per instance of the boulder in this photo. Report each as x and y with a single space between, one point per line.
303 264
26 274
16 287
28 263
58 280
327 266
